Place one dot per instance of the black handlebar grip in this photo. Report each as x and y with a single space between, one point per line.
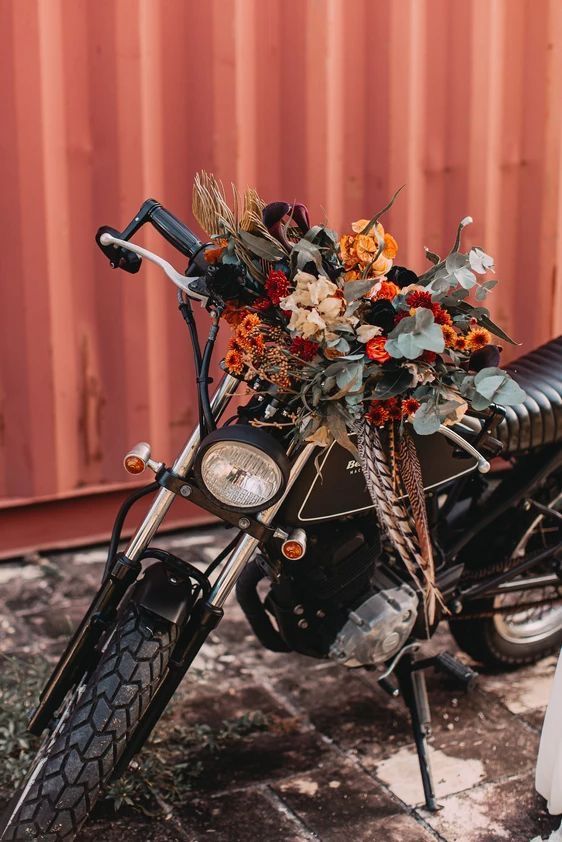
174 231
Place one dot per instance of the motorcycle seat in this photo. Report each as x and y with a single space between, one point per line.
538 420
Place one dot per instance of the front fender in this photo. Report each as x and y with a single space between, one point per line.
164 594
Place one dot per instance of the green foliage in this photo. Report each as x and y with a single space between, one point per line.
414 335
20 683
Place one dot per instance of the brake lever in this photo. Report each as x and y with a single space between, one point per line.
107 239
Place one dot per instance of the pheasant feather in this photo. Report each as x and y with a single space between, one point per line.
392 513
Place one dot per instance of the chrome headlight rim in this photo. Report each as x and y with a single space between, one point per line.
248 437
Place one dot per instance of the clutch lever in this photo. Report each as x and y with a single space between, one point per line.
187 285
118 258
482 463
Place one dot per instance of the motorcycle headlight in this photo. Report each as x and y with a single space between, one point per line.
242 468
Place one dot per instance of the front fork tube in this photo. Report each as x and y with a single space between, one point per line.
77 658
205 617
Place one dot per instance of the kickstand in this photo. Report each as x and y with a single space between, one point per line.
411 683
413 688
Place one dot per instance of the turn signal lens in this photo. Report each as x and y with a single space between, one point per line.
295 545
134 464
292 549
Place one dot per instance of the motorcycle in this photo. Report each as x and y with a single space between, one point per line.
303 520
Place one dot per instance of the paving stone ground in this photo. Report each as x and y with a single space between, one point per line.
336 760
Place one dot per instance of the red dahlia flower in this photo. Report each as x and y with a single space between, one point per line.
303 348
419 298
277 285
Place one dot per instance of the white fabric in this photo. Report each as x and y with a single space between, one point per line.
555 836
548 778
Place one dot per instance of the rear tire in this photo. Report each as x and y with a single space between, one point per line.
520 637
76 761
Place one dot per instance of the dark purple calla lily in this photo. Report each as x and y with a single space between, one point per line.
301 217
275 213
486 357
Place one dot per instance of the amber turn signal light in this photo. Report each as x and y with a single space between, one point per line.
134 464
138 458
295 545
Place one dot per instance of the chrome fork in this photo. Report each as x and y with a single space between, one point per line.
157 512
247 546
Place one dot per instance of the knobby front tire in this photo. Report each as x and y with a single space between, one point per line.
72 768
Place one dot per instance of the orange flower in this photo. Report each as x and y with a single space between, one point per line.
214 253
248 323
387 290
478 337
233 315
450 336
390 247
358 251
233 362
409 406
377 414
460 344
376 351
441 316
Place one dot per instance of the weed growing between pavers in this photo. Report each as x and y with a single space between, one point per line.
163 774
20 682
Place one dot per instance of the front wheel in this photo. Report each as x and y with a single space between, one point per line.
77 760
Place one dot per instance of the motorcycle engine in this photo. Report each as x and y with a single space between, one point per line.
342 601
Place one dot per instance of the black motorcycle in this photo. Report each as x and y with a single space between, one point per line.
304 520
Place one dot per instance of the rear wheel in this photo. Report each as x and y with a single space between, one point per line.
516 632
77 760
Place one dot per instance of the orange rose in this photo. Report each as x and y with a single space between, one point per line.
387 289
376 351
390 247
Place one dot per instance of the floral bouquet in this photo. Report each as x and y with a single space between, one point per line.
355 343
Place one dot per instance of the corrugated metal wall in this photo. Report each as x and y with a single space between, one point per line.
333 102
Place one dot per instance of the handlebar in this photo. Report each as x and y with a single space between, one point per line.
172 229
168 225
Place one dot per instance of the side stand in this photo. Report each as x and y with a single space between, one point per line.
414 691
412 686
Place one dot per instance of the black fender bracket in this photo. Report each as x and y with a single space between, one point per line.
163 593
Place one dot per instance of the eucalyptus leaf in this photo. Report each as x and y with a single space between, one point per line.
307 253
353 290
351 376
494 385
426 420
480 262
415 334
393 382
261 247
338 429
457 267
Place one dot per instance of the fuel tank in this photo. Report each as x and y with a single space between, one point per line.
336 487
